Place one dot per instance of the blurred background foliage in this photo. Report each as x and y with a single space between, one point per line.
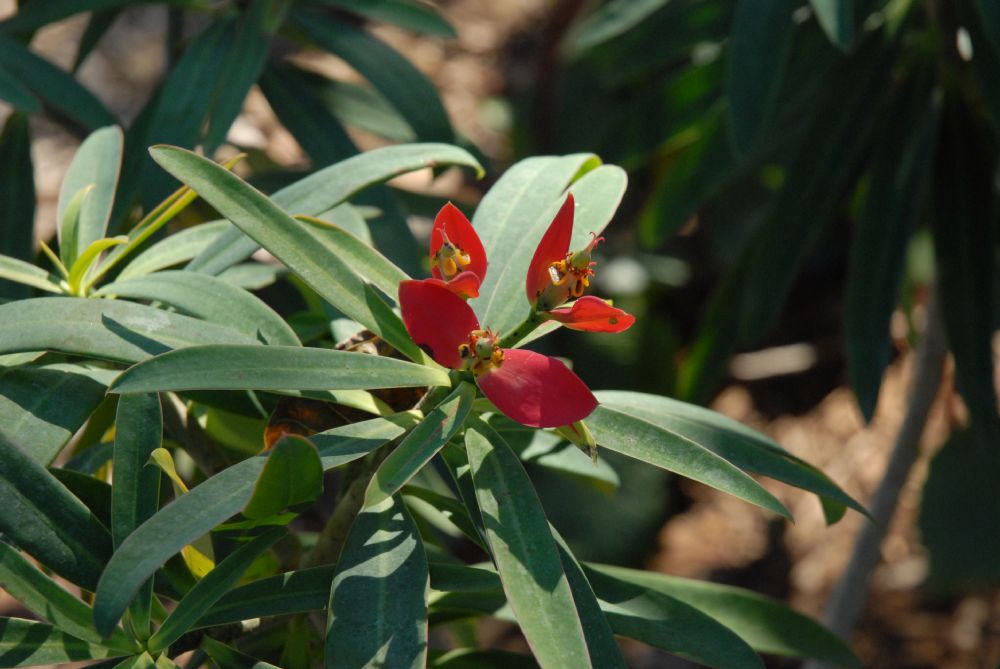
802 176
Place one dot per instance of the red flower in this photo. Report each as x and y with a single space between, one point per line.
458 259
533 389
557 275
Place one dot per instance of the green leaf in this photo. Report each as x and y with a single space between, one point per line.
210 298
390 73
17 94
42 407
87 259
420 445
273 368
836 17
292 477
176 248
668 623
210 588
45 520
44 597
414 16
17 205
289 241
135 494
767 625
758 48
56 88
378 600
97 26
371 265
325 189
471 658
28 274
33 15
209 504
517 211
638 438
524 551
958 514
738 444
228 657
964 228
25 643
611 20
106 329
292 592
893 207
97 163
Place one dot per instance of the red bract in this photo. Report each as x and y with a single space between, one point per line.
458 258
557 275
533 389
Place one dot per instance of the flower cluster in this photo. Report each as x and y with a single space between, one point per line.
533 389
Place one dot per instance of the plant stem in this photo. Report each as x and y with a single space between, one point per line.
847 600
521 331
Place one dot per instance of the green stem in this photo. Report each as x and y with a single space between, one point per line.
523 330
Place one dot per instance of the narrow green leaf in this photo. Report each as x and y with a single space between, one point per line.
964 227
668 623
33 15
293 476
44 597
273 368
210 588
638 438
20 271
517 211
524 551
893 207
422 444
174 249
210 298
325 189
209 504
17 94
228 657
45 520
56 88
17 202
106 329
767 625
378 600
42 407
611 20
97 163
414 16
390 73
26 643
87 259
69 226
298 591
836 17
738 444
97 26
289 241
471 658
758 47
450 508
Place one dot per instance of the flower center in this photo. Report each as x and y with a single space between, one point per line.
449 259
569 277
481 353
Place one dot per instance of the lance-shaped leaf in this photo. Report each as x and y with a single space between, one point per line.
325 189
230 658
209 589
638 438
209 504
289 241
26 583
17 203
414 16
517 211
44 519
26 643
738 444
378 601
174 249
42 14
293 476
105 329
273 368
42 407
417 449
524 551
836 17
767 625
210 298
96 165
17 94
20 271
